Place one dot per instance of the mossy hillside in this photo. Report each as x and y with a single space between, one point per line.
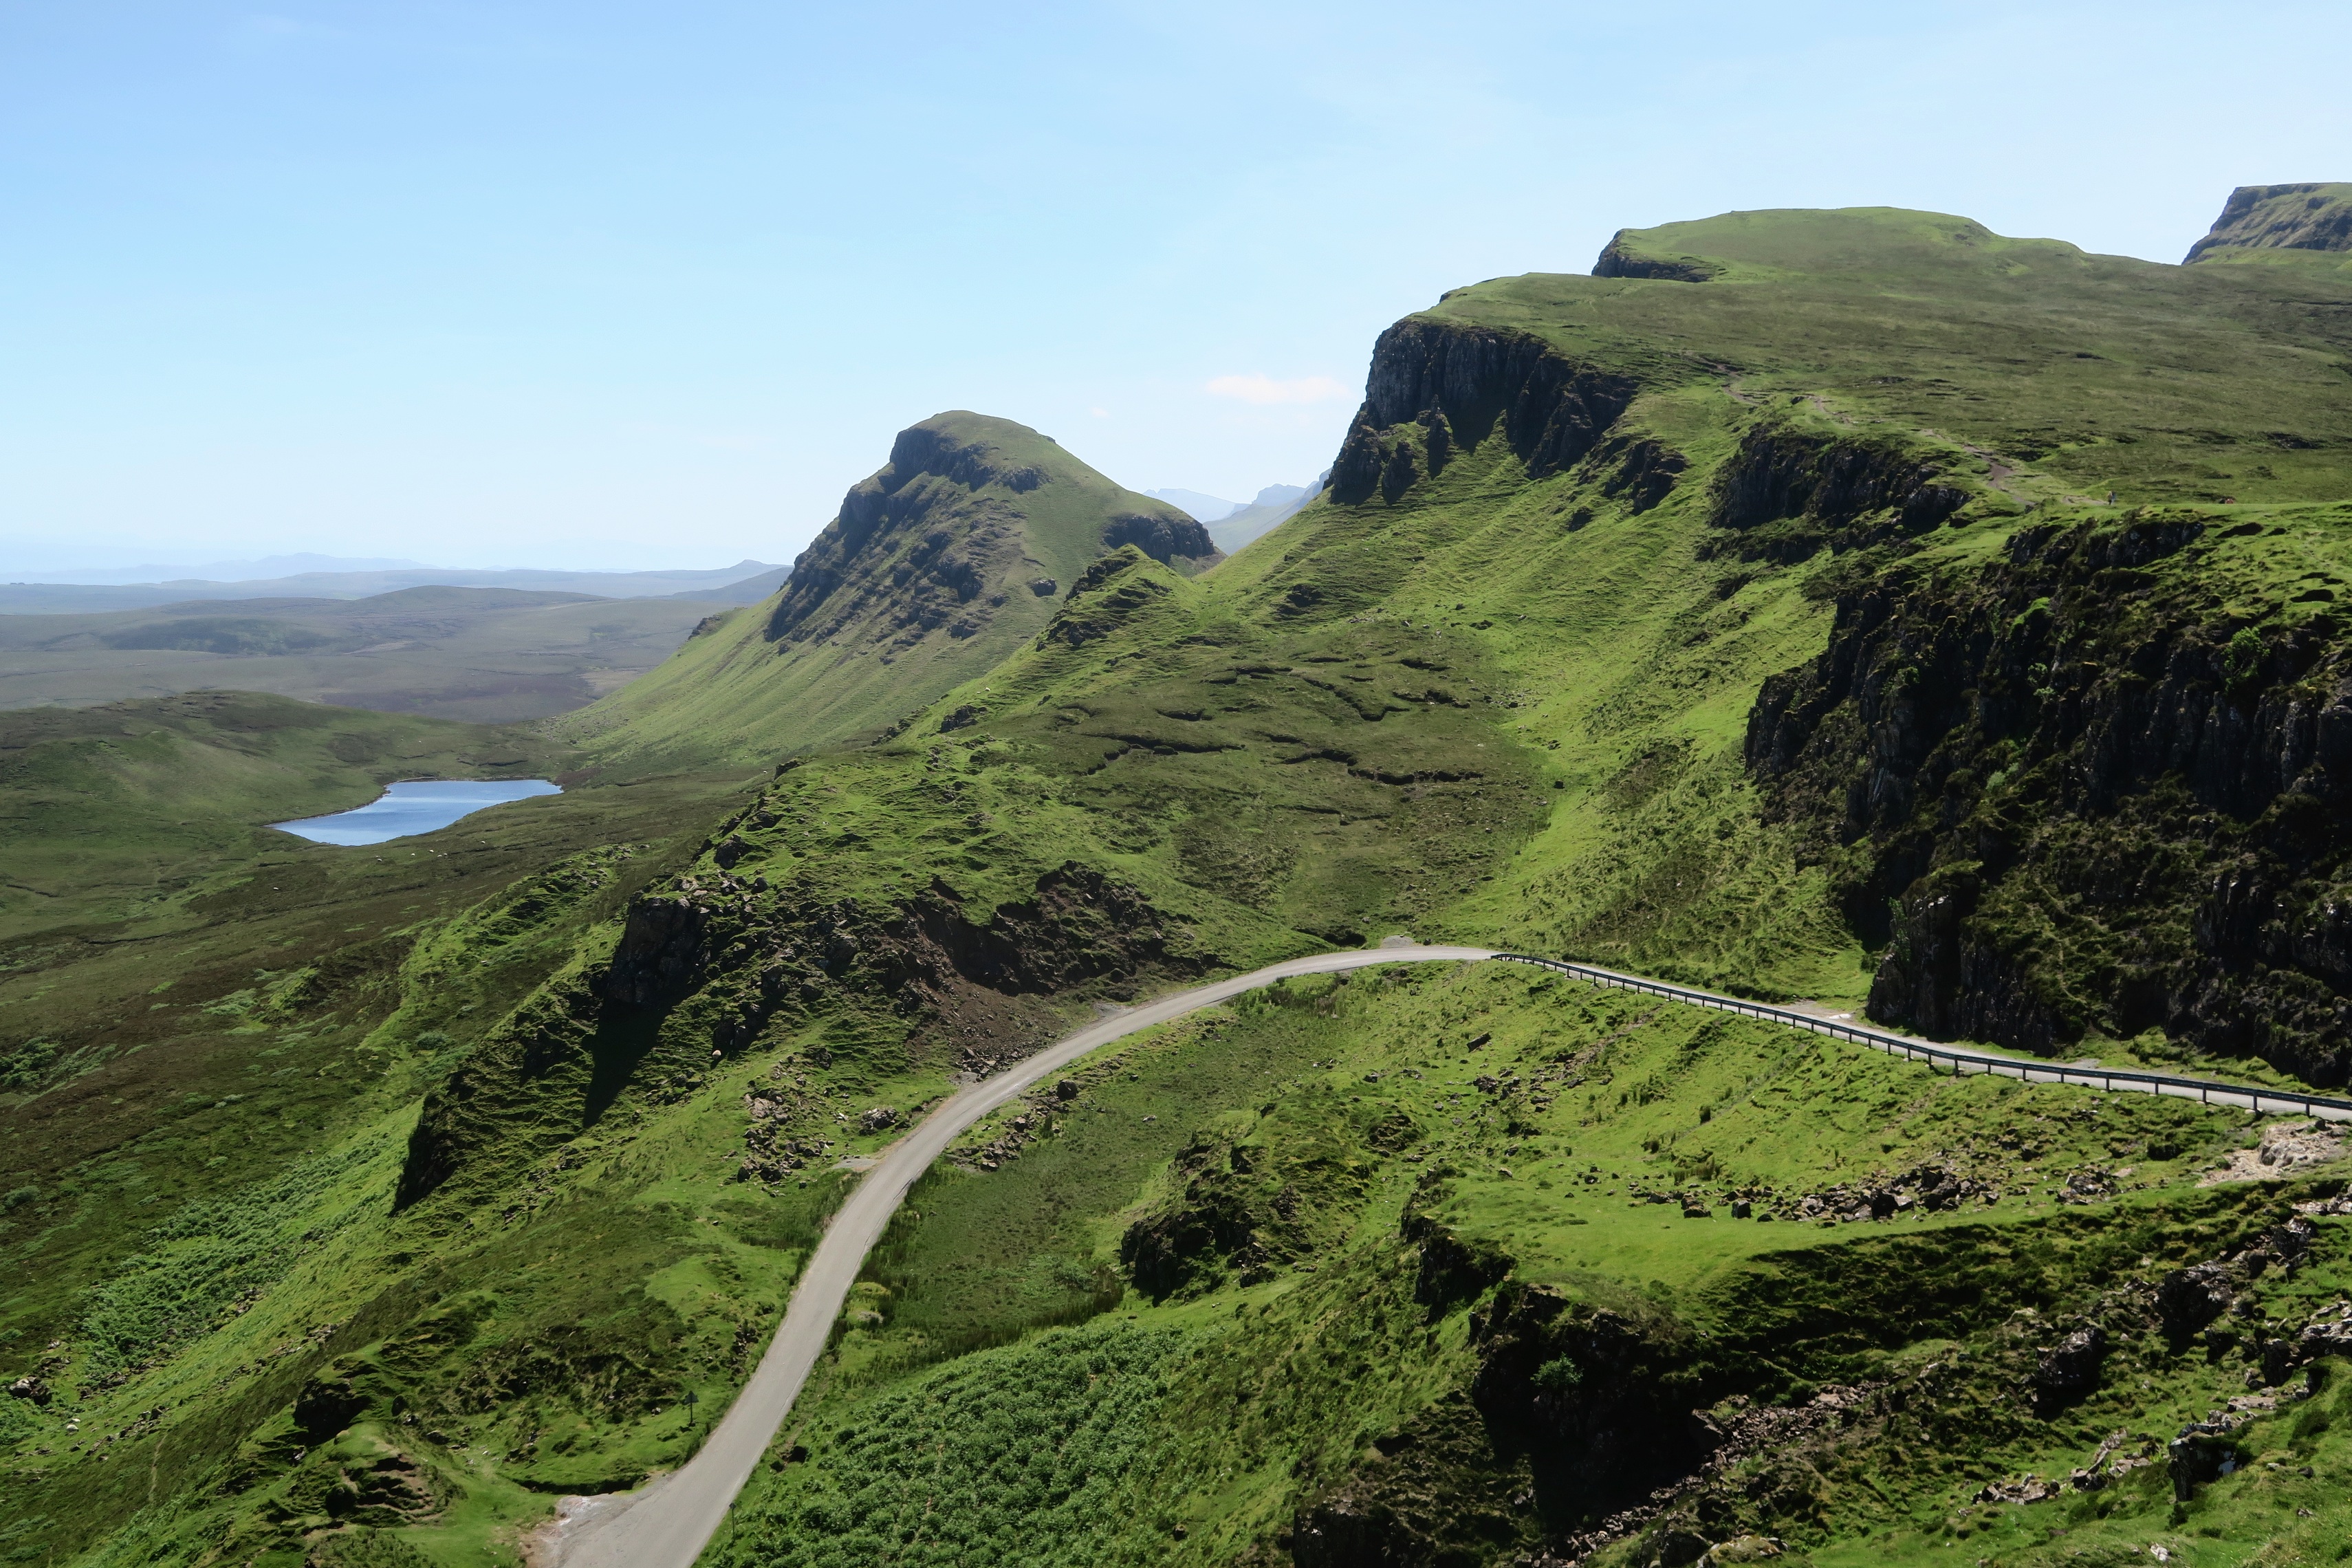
2068 373
2309 223
202 1148
1312 745
1497 532
1631 661
1658 854
1156 788
307 1360
1324 1353
180 1068
936 568
1662 847
2109 802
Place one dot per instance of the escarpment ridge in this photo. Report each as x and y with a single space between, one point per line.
1858 610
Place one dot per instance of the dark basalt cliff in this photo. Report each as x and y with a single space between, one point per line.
1436 389
1786 494
705 963
947 533
884 543
1169 539
2071 793
2310 217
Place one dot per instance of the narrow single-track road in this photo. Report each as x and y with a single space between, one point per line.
666 1524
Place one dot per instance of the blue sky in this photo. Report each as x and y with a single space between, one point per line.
635 285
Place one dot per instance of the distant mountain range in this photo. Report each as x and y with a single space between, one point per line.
1203 508
267 566
1234 523
746 582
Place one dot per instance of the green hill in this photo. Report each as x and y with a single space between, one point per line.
2308 221
1752 612
938 567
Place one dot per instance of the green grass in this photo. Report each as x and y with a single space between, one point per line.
474 654
1269 1409
1498 704
945 576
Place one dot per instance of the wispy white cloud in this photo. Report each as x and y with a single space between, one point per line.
1261 388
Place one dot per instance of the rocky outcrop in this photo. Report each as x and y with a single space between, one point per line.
1087 615
1436 389
2312 216
1623 257
945 536
1453 1271
1171 539
1219 1219
1593 1388
1787 494
878 541
703 966
2068 794
2068 1371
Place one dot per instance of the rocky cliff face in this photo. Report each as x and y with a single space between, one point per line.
2072 792
1787 493
1623 257
1436 388
2312 216
919 534
704 963
945 536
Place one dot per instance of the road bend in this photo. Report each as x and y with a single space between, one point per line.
666 1524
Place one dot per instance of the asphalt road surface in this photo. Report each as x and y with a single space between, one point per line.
666 1524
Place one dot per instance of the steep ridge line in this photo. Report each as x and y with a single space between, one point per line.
688 1505
2027 1070
667 1524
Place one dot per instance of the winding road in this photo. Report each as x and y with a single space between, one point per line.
666 1524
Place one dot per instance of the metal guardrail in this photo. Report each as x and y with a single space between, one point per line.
2259 1100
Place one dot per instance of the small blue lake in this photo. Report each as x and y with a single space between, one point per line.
410 809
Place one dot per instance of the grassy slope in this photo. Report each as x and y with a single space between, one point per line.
122 809
1497 705
480 655
738 693
215 1034
2086 372
1240 1402
1632 671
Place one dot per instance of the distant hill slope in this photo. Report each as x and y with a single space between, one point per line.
68 598
952 555
1202 508
748 591
477 654
109 809
1275 505
2309 218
